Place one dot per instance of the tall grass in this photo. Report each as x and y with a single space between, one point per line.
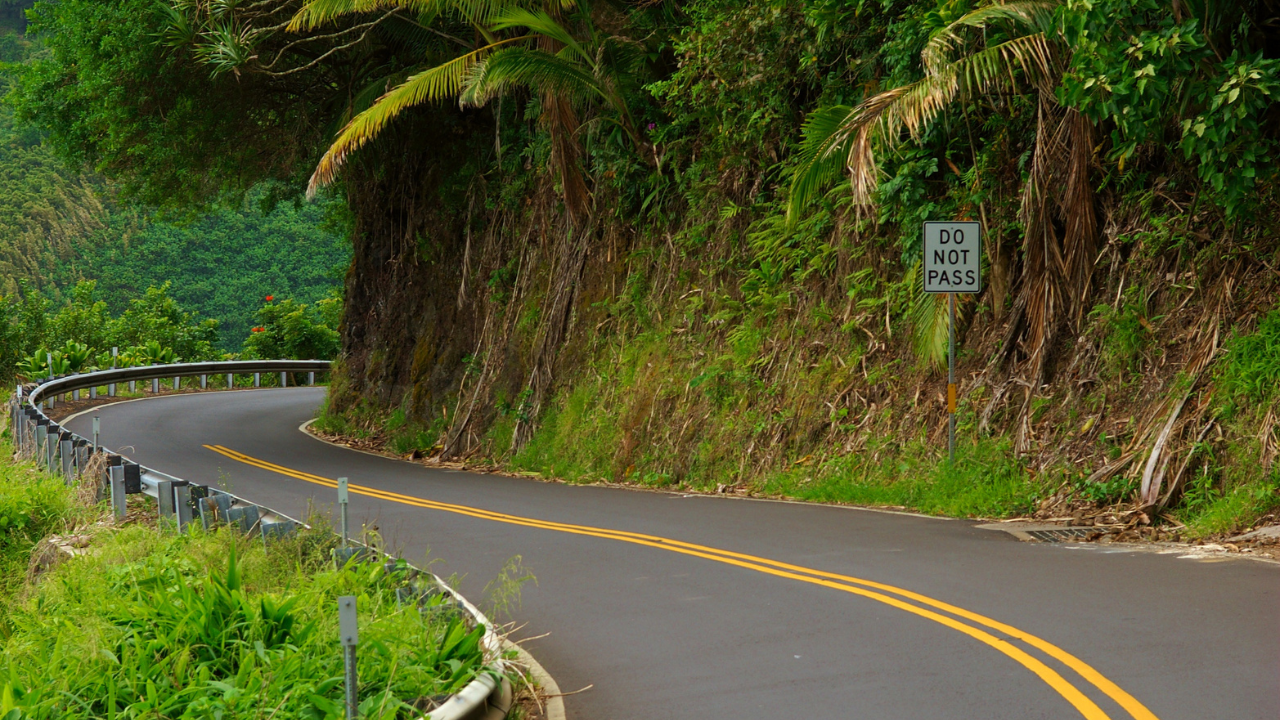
213 626
147 624
32 506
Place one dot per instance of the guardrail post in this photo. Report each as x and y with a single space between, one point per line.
164 498
342 505
348 630
155 386
117 490
75 395
13 422
182 504
284 379
177 384
42 437
257 379
231 380
206 507
311 378
51 452
204 381
81 457
93 393
66 451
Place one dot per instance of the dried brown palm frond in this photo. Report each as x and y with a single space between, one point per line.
1057 271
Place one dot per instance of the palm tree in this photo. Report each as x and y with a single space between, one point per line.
961 64
519 47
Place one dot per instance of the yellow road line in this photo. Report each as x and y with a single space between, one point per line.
1084 705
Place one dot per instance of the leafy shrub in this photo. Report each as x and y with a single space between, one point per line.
291 330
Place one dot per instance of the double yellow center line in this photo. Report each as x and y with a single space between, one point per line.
919 605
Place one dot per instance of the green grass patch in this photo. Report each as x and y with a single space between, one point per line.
1208 512
1249 374
986 481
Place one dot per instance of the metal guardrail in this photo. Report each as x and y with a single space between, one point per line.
62 452
51 388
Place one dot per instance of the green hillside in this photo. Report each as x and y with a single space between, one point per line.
222 265
59 226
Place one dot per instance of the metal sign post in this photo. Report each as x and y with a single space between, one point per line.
348 630
97 426
342 504
952 264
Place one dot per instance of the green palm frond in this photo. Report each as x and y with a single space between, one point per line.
482 13
930 320
929 323
1035 15
534 69
438 83
543 24
997 66
840 134
316 13
821 156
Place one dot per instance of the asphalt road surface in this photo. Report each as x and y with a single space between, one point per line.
677 606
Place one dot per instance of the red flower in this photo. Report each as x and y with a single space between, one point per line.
258 329
270 298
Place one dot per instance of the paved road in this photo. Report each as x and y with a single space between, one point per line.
674 606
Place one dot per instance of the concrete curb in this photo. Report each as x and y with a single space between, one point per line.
554 707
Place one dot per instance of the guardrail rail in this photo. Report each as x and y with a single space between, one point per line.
39 438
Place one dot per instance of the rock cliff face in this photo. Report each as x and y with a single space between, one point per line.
405 331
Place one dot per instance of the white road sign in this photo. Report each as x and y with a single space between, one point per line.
952 257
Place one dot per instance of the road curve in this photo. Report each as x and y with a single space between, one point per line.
675 606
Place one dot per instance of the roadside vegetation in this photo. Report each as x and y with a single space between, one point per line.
142 622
